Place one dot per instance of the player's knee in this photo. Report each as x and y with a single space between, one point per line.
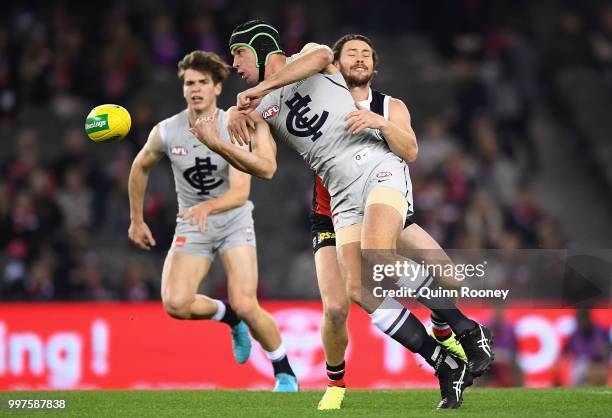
178 307
363 296
354 292
374 259
336 313
246 309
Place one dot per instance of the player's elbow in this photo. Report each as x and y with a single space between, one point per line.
139 169
266 175
143 162
324 55
412 153
268 172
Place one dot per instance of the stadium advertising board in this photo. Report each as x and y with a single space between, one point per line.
123 346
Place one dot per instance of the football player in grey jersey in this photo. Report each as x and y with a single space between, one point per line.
214 217
305 100
356 58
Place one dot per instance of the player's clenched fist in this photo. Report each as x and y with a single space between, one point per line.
250 99
206 130
140 234
196 214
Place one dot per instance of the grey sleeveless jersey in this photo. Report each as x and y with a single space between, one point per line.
309 116
199 173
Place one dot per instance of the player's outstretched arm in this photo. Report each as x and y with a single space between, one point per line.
150 154
313 59
261 162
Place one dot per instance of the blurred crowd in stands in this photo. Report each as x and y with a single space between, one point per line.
471 180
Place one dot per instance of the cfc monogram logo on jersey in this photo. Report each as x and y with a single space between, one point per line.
298 123
200 176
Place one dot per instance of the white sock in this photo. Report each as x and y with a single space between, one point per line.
277 354
386 316
218 316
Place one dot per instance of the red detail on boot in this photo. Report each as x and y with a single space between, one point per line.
336 383
441 333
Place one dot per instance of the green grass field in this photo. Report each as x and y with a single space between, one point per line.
584 402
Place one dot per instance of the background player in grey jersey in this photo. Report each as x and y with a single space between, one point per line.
214 217
298 96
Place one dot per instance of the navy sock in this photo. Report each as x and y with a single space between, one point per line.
282 366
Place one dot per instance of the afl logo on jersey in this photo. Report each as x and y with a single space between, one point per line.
270 112
179 151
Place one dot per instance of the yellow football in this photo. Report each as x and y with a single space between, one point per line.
107 123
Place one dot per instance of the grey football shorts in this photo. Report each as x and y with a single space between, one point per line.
218 237
392 172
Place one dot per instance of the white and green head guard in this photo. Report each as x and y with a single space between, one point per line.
261 38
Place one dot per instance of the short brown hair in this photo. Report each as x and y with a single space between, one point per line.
337 48
205 62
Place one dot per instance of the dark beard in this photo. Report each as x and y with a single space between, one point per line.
361 82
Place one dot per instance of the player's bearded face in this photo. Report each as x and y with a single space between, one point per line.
199 90
356 64
244 63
